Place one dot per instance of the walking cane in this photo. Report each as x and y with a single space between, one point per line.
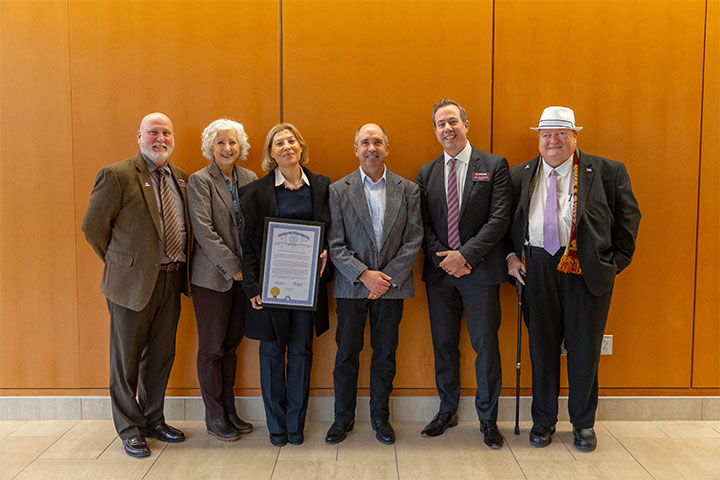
517 365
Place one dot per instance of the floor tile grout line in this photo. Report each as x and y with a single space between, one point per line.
154 461
397 462
628 451
44 450
106 447
272 473
517 462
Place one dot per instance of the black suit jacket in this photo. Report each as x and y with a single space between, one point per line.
484 217
607 217
258 201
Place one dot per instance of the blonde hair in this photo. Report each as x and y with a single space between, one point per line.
268 164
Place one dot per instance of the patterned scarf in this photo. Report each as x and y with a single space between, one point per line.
569 262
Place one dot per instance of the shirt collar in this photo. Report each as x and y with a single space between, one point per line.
152 166
368 180
561 170
463 156
229 182
280 179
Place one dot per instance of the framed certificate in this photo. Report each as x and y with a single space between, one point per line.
291 263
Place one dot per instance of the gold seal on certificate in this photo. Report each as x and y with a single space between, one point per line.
291 263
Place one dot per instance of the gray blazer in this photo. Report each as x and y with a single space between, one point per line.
122 225
352 241
216 255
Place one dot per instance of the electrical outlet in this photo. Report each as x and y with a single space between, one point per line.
606 348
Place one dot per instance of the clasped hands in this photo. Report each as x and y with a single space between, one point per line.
454 263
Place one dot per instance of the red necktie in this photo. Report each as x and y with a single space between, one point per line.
453 205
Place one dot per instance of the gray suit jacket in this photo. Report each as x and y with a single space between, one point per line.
122 225
352 241
216 256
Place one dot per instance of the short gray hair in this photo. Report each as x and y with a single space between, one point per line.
211 131
444 103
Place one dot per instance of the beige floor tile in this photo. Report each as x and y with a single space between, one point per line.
9 426
674 458
82 469
608 447
44 428
714 424
620 429
87 439
336 470
16 453
313 448
362 446
522 450
211 459
690 429
585 469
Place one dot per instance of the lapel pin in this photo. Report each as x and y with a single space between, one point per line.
147 184
589 169
527 166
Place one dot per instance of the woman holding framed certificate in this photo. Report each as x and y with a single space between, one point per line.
289 191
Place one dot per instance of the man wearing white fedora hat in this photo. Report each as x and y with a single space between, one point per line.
573 229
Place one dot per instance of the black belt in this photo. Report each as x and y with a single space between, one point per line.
171 267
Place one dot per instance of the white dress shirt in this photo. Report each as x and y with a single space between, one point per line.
280 179
565 202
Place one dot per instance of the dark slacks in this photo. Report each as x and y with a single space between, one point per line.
559 306
142 350
285 383
446 302
385 315
221 325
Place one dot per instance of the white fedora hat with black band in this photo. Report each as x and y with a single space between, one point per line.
557 117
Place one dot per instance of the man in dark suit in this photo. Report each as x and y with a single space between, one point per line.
375 236
137 223
575 222
466 202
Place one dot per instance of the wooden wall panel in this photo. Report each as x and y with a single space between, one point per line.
196 61
38 293
352 62
637 92
706 355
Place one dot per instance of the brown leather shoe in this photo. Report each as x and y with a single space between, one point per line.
136 446
165 433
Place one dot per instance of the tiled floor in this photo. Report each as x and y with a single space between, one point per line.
89 449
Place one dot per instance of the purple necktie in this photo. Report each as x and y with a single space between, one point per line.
551 237
453 207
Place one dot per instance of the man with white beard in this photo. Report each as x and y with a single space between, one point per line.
137 223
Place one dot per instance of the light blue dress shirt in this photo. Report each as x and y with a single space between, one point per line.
375 194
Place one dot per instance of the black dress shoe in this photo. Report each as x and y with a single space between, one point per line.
166 433
221 429
136 446
338 431
492 436
584 439
440 423
278 439
383 431
239 424
295 438
541 436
